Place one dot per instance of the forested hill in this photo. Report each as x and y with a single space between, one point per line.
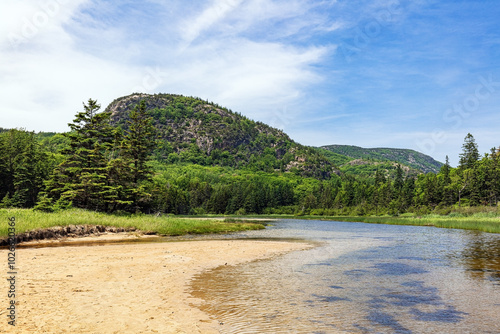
197 131
405 157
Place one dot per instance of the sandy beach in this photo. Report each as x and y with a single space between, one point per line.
121 288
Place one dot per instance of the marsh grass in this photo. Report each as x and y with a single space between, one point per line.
478 222
488 221
28 220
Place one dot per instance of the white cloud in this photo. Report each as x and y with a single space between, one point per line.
30 24
45 77
253 78
77 54
217 11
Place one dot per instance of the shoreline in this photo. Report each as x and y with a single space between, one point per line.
89 239
123 288
488 224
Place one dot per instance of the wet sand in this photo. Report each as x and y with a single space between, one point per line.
121 288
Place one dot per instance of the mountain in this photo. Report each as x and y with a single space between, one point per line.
343 155
197 131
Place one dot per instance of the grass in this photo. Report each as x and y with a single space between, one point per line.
485 224
478 221
28 220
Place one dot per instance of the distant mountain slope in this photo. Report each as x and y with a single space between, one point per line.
405 157
198 131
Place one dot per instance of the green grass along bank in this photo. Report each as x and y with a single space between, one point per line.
478 223
30 220
482 221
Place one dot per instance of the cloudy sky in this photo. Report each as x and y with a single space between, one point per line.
416 74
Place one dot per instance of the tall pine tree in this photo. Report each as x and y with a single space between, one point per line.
136 148
470 153
82 179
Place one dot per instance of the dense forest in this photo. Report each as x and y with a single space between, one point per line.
187 156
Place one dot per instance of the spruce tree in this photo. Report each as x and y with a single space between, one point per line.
446 184
399 180
139 142
445 170
23 168
136 148
82 179
470 153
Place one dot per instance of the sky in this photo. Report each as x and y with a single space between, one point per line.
417 74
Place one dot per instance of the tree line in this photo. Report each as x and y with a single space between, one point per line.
107 168
102 168
191 189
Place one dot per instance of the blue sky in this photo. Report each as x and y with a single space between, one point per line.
415 74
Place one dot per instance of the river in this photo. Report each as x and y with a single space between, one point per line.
361 278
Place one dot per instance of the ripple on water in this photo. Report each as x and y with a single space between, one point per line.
403 282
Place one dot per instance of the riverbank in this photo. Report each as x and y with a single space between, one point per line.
483 222
125 288
33 225
68 222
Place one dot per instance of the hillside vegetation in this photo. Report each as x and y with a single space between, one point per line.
367 168
179 155
197 131
413 159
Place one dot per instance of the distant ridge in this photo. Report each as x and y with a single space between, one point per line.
406 157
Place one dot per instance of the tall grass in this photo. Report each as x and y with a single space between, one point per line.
478 222
467 219
28 220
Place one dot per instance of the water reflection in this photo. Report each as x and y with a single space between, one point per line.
481 256
363 279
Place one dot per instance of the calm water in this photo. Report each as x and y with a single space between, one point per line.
362 278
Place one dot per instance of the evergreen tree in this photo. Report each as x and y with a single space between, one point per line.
136 148
82 179
408 192
23 168
445 184
492 181
139 142
32 171
398 181
470 153
445 170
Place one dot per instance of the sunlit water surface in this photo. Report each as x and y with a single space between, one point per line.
362 278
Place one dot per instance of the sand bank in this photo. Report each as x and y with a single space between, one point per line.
121 288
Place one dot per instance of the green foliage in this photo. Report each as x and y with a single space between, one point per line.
180 155
336 158
103 169
470 153
53 142
130 171
195 131
490 224
410 158
164 225
24 165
